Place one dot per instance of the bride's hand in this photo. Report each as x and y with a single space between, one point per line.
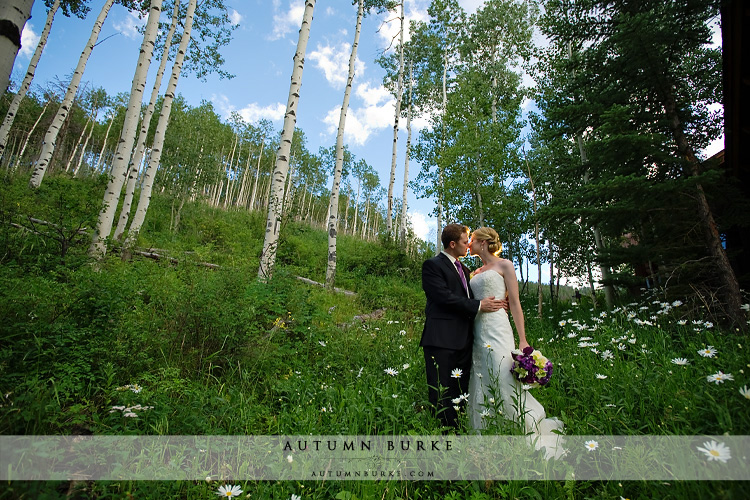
523 345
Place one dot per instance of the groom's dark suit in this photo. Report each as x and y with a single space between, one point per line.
447 337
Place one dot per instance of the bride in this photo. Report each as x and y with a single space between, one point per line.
492 387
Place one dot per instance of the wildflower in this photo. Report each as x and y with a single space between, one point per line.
208 479
632 341
591 445
680 361
229 491
708 324
457 372
745 392
600 376
394 396
572 335
708 352
682 322
715 451
402 332
719 377
607 355
360 371
676 303
562 322
295 497
323 344
486 413
406 366
488 346
390 371
289 458
130 414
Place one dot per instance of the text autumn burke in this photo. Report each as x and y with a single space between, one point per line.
366 445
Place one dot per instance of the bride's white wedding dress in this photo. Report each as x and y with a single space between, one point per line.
492 386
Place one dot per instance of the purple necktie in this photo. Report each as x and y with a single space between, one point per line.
461 273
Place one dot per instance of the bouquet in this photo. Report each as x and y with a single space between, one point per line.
530 367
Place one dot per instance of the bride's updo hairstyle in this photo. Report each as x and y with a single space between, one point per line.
490 236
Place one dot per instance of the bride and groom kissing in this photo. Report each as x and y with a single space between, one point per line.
467 338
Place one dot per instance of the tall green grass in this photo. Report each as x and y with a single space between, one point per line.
214 352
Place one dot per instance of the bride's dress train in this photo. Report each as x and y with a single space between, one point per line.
492 386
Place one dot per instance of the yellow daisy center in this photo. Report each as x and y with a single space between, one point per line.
714 453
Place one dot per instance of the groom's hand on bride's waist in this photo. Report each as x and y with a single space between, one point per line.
490 304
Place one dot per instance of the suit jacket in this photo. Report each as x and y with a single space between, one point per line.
449 312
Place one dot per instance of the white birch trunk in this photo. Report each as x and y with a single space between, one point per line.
16 103
125 147
85 145
229 171
289 185
441 179
50 138
392 179
273 221
104 144
135 162
333 207
356 208
404 205
257 174
28 137
78 143
13 16
161 129
245 178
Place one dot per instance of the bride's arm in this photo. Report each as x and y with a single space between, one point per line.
511 285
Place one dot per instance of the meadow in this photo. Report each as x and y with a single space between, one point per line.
164 348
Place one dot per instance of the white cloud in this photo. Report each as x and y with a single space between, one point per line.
330 11
414 10
334 62
470 6
424 227
235 17
362 121
252 112
129 26
29 41
286 21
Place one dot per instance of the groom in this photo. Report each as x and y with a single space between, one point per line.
447 338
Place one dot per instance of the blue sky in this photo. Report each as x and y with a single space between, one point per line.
260 55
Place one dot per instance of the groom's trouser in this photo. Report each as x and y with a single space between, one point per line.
443 387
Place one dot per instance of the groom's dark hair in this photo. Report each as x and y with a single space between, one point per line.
452 232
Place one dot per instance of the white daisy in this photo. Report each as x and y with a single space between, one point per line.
600 376
716 451
708 352
719 377
591 445
680 361
229 491
745 392
321 343
391 371
457 372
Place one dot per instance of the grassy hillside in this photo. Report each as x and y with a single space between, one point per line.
213 352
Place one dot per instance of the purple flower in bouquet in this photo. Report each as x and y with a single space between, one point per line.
530 367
